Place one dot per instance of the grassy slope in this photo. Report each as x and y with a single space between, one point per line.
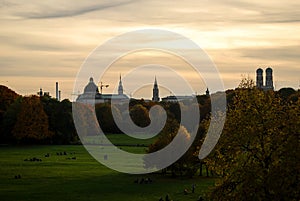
57 178
122 139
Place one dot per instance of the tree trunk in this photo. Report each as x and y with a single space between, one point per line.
201 169
207 173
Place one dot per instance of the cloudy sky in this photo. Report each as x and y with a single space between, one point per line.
47 41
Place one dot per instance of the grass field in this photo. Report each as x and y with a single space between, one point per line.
121 139
59 177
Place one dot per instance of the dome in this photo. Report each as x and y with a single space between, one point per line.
91 87
269 70
259 71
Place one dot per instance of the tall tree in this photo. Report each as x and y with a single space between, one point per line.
60 120
106 118
257 156
7 97
32 122
140 115
7 118
9 121
184 166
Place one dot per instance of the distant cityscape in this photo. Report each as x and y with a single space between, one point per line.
92 94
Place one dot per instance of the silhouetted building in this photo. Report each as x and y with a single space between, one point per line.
57 91
91 94
177 98
120 88
269 79
41 93
59 95
259 78
155 96
207 92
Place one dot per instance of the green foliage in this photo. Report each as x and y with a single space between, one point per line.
60 120
106 119
9 120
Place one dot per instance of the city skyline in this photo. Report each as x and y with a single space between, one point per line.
47 42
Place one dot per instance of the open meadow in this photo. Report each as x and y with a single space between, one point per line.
68 172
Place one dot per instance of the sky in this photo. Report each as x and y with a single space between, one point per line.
43 42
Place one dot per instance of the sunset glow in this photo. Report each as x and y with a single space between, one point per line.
47 41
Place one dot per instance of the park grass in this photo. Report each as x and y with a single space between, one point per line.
59 178
121 139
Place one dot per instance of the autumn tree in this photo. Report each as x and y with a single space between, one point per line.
184 165
7 118
7 97
257 156
140 115
32 122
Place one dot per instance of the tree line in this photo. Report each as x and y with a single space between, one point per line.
35 120
44 120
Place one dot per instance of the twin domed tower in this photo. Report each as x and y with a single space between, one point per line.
260 79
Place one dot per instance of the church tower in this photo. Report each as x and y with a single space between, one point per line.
259 78
269 79
207 92
155 96
120 89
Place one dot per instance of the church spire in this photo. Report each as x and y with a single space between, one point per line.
155 96
207 92
120 89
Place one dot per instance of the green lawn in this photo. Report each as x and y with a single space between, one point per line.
59 178
121 139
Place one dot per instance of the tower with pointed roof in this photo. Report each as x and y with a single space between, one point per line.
155 96
120 88
207 92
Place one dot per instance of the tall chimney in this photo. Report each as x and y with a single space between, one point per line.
57 95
